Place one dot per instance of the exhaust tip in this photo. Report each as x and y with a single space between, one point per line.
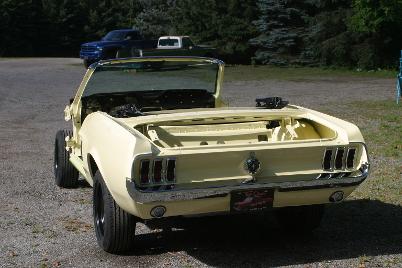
336 197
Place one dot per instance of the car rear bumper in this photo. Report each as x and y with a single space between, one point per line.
151 196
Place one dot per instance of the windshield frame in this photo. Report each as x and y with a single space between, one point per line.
92 68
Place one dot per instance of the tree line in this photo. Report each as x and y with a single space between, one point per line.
344 33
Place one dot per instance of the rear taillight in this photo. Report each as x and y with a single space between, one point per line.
144 171
340 158
154 172
171 170
157 170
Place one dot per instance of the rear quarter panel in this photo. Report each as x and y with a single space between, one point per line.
112 146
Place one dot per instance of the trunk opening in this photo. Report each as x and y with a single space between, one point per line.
234 131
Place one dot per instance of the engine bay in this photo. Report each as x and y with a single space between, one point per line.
137 103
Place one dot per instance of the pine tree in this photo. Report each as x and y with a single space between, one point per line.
282 31
154 20
225 24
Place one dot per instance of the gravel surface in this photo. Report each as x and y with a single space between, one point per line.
43 225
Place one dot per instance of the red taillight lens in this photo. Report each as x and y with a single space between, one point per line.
326 165
339 158
157 171
171 170
144 171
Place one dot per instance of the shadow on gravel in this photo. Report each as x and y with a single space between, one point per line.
349 230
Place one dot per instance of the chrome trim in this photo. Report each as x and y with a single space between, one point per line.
147 196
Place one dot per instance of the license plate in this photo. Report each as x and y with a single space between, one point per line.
251 200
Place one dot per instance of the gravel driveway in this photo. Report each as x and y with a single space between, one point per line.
43 225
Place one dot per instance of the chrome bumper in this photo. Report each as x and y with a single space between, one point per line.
148 196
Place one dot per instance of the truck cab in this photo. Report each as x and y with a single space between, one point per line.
175 46
175 42
111 43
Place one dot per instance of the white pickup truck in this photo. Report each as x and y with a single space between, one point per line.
172 46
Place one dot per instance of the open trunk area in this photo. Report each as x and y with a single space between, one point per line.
234 131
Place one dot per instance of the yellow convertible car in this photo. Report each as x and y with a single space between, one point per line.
154 139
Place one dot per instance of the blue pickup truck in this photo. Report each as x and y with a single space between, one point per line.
112 43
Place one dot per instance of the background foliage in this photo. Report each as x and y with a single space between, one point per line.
348 33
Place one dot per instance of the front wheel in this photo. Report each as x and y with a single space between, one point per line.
114 228
88 63
66 175
302 219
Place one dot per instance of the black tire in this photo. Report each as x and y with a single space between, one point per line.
66 175
88 63
302 219
114 228
110 54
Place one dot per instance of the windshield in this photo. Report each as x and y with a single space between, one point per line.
153 76
115 36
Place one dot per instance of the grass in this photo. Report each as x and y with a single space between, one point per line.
383 134
386 127
248 73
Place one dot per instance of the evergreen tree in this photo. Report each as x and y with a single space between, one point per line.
328 41
282 27
71 19
225 24
377 24
23 28
154 19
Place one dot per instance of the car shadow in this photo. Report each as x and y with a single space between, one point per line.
348 230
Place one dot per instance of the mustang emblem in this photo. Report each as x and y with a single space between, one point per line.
252 164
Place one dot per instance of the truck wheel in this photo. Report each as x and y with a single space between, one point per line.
209 55
114 228
66 175
302 219
110 54
88 63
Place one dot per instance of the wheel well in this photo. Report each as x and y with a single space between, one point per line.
93 167
209 55
110 53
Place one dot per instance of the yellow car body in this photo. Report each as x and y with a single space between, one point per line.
304 159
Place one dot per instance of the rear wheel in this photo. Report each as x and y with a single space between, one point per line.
300 219
114 228
66 175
